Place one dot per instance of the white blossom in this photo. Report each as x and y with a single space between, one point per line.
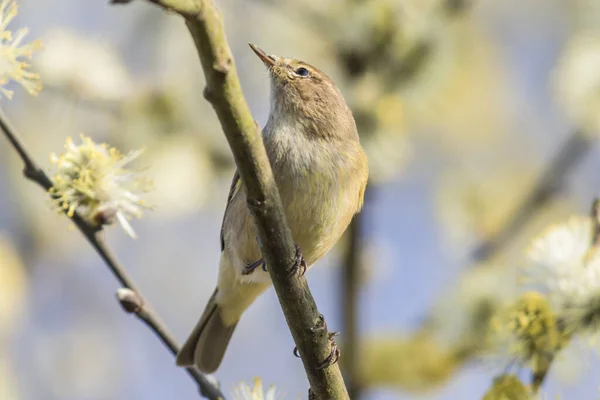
567 267
244 392
94 181
13 53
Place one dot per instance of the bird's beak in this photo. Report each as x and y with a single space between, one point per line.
269 61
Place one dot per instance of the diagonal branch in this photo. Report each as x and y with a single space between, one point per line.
570 153
223 91
93 235
133 303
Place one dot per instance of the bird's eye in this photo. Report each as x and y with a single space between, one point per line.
302 72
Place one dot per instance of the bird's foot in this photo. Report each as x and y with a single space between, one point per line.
250 268
334 356
299 263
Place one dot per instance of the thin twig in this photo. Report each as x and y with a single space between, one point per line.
134 304
224 92
570 153
31 169
595 216
94 236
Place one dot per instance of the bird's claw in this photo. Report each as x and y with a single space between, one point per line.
299 263
334 356
250 268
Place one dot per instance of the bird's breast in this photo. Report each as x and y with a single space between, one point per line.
318 184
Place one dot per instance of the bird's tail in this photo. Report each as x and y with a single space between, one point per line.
206 345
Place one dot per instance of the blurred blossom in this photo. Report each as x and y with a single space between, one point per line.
461 317
381 123
587 15
526 333
13 287
13 52
389 50
94 181
374 19
83 66
173 113
182 167
181 88
182 174
389 111
424 49
577 80
394 29
245 392
508 387
416 363
450 99
388 154
151 115
473 203
8 382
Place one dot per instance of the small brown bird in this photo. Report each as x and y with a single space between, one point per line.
321 171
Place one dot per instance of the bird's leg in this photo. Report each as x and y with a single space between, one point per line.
299 263
250 268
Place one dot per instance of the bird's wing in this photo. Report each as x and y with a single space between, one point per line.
236 185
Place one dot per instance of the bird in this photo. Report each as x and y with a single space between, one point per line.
321 172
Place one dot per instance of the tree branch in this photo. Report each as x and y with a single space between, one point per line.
93 235
223 91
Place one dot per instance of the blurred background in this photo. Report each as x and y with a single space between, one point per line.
479 118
